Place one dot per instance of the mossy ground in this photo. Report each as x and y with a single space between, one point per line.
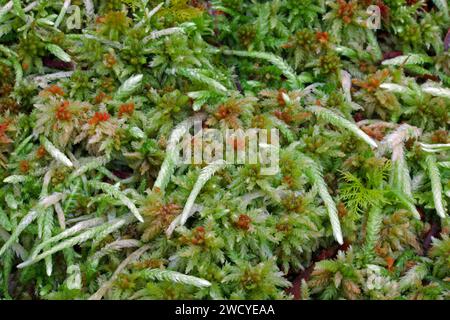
93 96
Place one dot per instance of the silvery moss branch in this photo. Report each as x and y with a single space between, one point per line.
399 136
400 176
434 148
204 176
174 277
171 158
314 172
47 217
436 187
162 33
129 87
338 121
396 88
34 213
373 228
31 6
14 179
114 192
43 80
77 228
394 142
430 88
61 216
108 284
16 247
46 234
196 75
58 52
97 232
408 59
62 13
25 222
148 14
73 280
55 153
112 247
436 90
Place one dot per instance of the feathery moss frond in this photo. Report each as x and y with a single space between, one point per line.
436 187
175 277
342 123
203 178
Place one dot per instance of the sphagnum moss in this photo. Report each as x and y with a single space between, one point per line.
96 98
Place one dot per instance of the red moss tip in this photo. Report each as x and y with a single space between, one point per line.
62 112
55 90
126 108
198 235
99 117
244 222
24 166
41 152
346 10
322 37
4 139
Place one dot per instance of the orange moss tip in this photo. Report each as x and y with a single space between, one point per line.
289 181
243 222
55 90
342 210
4 139
99 117
41 152
126 108
390 263
346 10
100 20
62 112
24 166
100 97
198 235
222 112
3 127
374 81
322 37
